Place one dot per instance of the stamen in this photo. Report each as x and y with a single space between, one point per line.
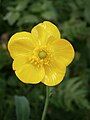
41 57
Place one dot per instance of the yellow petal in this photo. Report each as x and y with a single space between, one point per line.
44 30
20 61
54 74
51 29
63 51
38 33
21 43
27 72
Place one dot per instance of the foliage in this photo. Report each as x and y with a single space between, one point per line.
22 108
71 99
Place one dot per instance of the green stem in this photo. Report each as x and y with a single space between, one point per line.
46 104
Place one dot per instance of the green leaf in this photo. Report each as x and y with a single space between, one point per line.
87 14
22 5
22 108
47 5
87 11
74 28
71 93
36 7
74 91
12 17
28 19
50 15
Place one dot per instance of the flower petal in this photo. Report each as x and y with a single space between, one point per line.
62 50
51 29
54 74
27 72
21 43
44 30
20 61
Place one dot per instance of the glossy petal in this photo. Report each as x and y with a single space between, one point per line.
20 61
43 31
21 43
62 50
27 72
54 74
51 29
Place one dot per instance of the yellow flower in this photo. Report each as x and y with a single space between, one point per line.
40 56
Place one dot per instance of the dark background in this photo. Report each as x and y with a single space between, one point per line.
71 99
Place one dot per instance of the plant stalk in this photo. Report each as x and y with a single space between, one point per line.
46 104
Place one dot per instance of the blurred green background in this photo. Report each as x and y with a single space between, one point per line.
71 99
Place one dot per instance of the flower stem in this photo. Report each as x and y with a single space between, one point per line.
46 104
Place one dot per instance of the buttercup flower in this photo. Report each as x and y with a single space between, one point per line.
40 56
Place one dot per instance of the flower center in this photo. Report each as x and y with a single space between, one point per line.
42 54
